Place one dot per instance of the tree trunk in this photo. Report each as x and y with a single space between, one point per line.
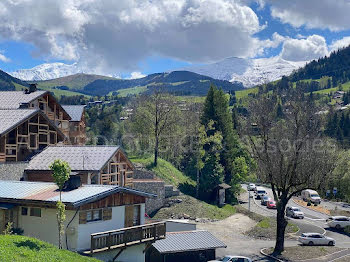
155 163
281 227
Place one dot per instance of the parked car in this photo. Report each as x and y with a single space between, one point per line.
271 204
260 192
338 222
312 196
251 187
316 239
233 259
265 199
294 212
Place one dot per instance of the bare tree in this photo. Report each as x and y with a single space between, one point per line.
155 115
290 152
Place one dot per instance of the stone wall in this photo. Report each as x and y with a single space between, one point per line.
151 186
143 174
12 170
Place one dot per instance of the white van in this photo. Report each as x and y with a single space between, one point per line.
260 192
311 195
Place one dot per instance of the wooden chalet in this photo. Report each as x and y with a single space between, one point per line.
77 124
106 165
33 99
24 132
106 222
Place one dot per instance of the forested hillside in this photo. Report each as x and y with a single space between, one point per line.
337 66
10 83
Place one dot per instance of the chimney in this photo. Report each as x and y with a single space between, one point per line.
72 183
32 88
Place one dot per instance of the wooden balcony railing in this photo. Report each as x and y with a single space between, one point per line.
127 237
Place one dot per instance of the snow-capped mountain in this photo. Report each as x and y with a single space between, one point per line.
249 72
47 71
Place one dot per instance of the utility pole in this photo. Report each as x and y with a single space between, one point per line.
248 199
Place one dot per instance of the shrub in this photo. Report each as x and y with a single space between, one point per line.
347 230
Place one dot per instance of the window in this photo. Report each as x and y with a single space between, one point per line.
93 215
24 211
35 212
137 211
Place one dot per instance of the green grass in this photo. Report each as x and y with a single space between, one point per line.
195 209
244 93
58 92
20 248
266 228
165 171
19 87
76 82
131 91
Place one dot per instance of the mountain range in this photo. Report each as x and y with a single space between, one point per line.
176 82
249 72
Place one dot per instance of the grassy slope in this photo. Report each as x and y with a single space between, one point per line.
77 81
246 92
190 205
58 92
165 171
195 209
131 91
20 248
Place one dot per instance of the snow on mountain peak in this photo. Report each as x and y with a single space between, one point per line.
250 72
47 71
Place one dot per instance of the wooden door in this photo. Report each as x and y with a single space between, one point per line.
129 216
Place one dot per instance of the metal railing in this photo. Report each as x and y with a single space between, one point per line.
127 236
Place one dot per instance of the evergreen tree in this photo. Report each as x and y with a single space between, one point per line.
216 109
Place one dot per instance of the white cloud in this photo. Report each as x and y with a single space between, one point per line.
115 36
341 43
136 75
312 47
3 58
324 14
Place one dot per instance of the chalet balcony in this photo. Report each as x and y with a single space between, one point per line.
125 237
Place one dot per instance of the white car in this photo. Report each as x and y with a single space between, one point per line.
294 212
233 259
316 239
251 187
338 222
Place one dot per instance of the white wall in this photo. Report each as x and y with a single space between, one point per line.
85 230
45 227
117 222
130 254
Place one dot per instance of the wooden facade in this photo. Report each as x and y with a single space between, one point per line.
118 171
53 110
77 131
25 139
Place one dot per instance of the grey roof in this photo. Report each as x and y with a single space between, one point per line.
12 118
74 111
13 99
187 241
80 158
12 170
47 193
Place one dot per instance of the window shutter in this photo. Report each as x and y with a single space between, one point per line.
107 213
82 217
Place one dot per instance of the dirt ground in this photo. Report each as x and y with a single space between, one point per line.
238 223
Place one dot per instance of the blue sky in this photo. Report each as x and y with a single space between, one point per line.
156 36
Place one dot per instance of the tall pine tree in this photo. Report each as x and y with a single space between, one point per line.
216 109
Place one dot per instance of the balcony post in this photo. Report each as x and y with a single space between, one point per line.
109 241
92 247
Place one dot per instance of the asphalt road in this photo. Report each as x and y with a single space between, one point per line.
313 222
